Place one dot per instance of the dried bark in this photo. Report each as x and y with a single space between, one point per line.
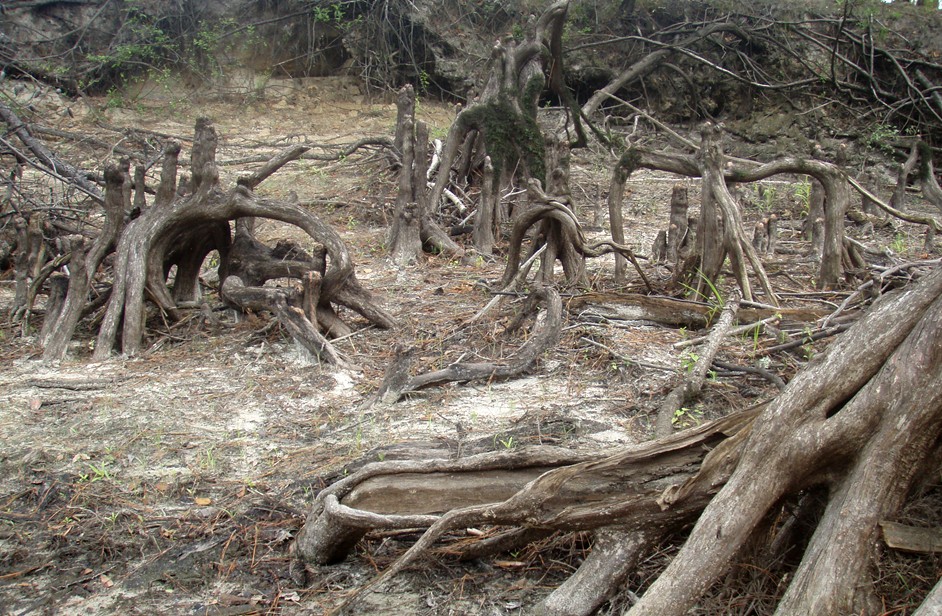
50 162
852 402
487 215
677 226
832 178
505 112
413 226
689 389
561 234
740 250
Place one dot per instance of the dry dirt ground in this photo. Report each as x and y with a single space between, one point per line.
173 482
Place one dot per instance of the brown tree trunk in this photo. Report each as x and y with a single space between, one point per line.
677 226
484 222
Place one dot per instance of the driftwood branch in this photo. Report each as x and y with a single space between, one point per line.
545 335
681 395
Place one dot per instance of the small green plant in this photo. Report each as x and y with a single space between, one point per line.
424 81
765 197
99 472
714 299
114 99
802 192
686 417
507 442
688 360
881 138
208 459
900 243
330 14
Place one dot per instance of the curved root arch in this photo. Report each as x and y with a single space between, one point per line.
831 176
563 238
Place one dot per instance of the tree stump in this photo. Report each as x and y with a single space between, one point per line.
183 225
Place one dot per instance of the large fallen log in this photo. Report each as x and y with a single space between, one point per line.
847 426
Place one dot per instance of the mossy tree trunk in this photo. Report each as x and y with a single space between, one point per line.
505 112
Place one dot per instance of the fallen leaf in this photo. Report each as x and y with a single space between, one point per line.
203 501
106 581
509 564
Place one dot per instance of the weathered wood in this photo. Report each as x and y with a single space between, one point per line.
50 163
405 243
675 312
832 178
167 189
616 219
677 226
898 199
823 417
911 538
614 556
144 246
623 489
927 180
846 424
483 235
739 248
692 383
301 329
932 605
563 237
58 341
413 226
58 288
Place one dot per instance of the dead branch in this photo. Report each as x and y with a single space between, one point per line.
682 394
544 336
49 161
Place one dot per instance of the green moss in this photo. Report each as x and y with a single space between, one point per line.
630 161
510 135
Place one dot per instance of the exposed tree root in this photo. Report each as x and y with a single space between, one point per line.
846 423
562 235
